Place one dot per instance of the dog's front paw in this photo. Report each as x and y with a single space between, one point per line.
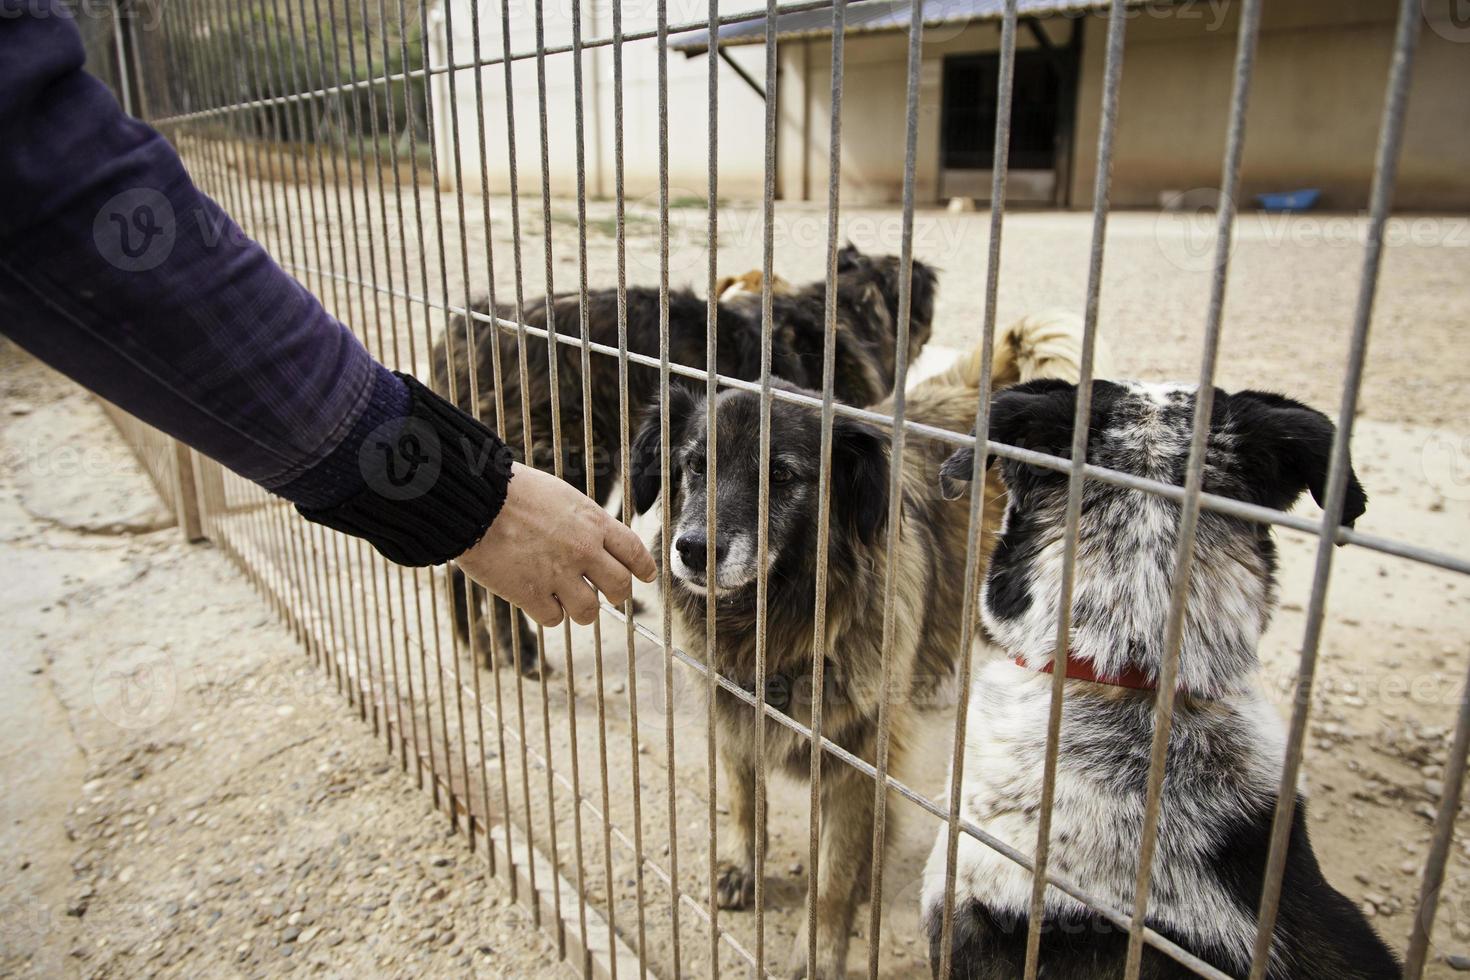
831 959
734 886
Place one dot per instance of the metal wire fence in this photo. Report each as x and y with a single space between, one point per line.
313 123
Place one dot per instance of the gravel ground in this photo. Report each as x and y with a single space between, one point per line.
185 795
1391 676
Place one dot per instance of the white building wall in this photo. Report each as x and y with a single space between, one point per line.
741 111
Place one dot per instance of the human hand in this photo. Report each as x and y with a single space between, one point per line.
547 543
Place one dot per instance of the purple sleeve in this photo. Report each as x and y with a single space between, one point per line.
119 272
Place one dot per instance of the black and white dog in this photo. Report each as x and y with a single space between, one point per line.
1227 742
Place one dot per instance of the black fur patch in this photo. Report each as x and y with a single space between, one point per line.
860 478
1320 935
1286 447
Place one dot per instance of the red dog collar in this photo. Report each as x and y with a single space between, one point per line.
1079 669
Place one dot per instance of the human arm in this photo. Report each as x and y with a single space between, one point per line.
119 272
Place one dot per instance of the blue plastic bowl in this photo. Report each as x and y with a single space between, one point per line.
1302 200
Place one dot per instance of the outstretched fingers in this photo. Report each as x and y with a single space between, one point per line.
624 545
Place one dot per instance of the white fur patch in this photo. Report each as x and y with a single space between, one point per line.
1097 814
736 570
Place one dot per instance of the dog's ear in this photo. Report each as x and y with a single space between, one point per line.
922 287
646 470
848 257
1037 415
955 473
646 463
1286 447
722 284
860 477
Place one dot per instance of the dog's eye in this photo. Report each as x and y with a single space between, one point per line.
696 465
780 474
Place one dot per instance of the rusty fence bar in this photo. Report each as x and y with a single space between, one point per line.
292 123
1385 170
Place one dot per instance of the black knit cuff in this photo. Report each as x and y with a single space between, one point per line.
434 480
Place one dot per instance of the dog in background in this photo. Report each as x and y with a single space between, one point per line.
867 318
929 564
1227 742
729 287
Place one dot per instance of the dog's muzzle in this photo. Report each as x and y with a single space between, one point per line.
689 558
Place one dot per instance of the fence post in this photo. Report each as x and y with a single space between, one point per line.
186 494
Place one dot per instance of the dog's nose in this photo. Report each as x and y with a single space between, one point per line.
693 548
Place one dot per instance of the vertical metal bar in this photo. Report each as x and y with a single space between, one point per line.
248 211
135 67
172 70
423 662
453 397
1439 849
553 359
287 540
172 76
1204 401
403 729
464 758
319 539
824 478
620 212
437 197
249 85
200 152
471 370
663 385
473 363
260 85
325 287
763 501
377 691
308 534
1385 173
180 80
591 472
295 136
347 611
526 436
413 368
1112 76
352 658
224 149
287 531
373 559
228 157
390 121
1000 172
358 581
292 568
895 482
120 52
418 215
711 521
342 658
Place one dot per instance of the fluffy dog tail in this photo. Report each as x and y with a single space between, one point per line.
1038 345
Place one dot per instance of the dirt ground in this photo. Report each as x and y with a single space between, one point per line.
184 794
255 793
